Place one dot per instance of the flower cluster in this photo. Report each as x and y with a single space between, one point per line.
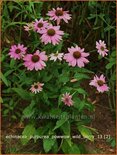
75 56
50 33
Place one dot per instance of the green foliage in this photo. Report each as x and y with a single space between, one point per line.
28 131
86 133
112 142
63 119
29 110
112 60
48 144
73 149
111 72
22 93
4 79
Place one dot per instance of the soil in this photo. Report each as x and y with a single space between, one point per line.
103 122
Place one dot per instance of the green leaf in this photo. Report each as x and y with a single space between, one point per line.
80 76
55 148
55 111
92 3
80 70
45 96
29 110
86 133
8 73
74 149
113 143
81 105
66 89
113 54
38 132
64 78
22 93
48 144
28 131
12 63
81 91
47 78
110 65
66 128
77 102
64 118
113 77
4 79
65 147
6 111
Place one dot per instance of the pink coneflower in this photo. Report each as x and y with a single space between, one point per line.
17 51
36 87
55 56
58 15
35 61
67 99
76 57
40 25
101 47
52 34
29 26
99 83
